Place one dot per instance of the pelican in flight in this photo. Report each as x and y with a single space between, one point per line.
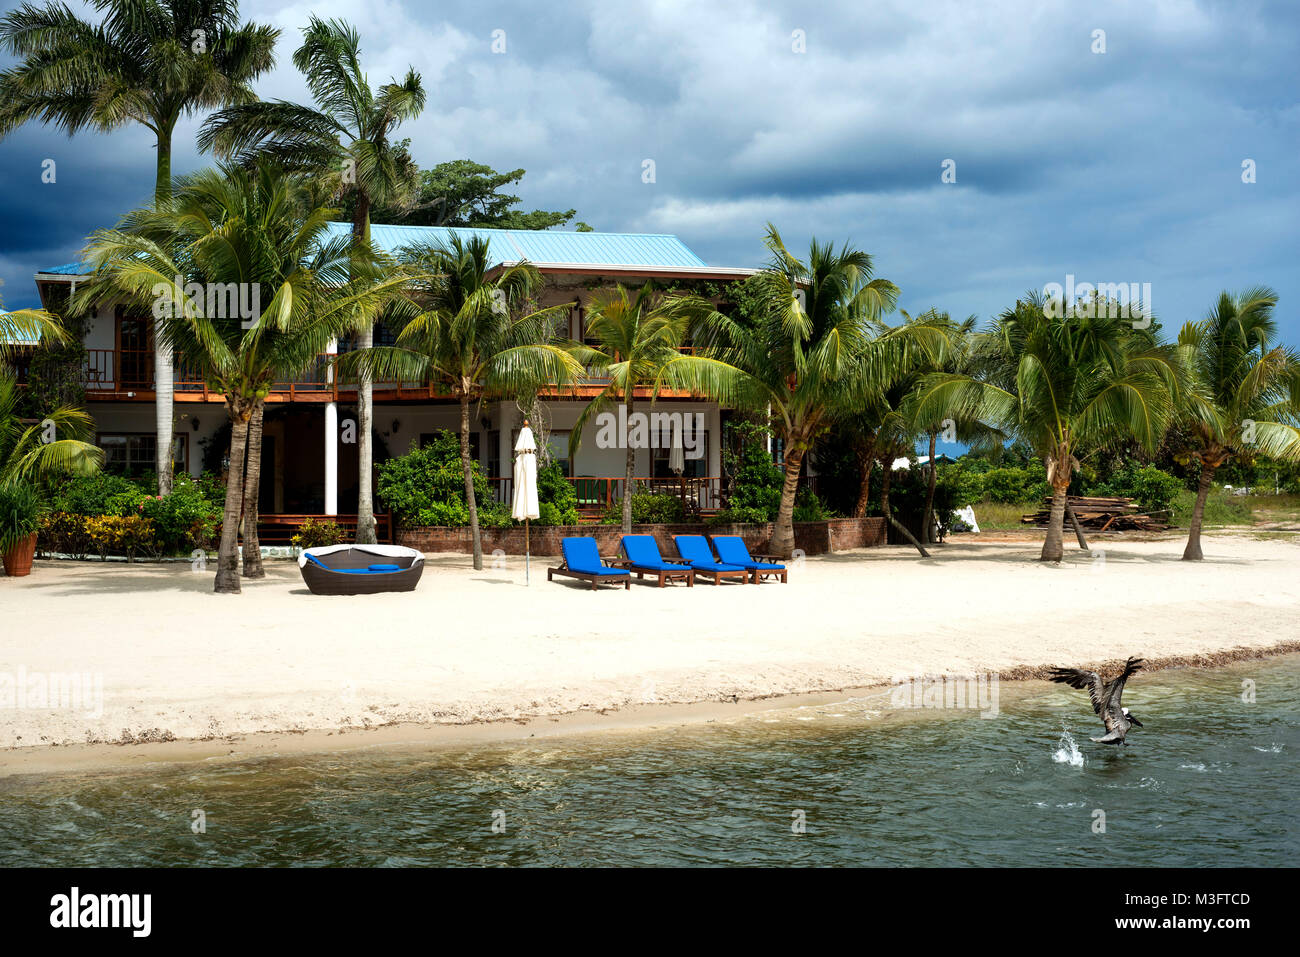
1105 698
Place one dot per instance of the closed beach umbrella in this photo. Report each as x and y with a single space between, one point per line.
524 507
677 458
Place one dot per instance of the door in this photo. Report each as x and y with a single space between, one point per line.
134 351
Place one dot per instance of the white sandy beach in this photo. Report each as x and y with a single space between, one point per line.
178 662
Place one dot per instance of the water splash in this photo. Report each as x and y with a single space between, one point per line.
1067 752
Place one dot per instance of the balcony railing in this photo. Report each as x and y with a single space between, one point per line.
596 492
117 372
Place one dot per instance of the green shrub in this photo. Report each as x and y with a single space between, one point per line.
756 487
739 516
92 494
1010 486
184 520
427 487
557 499
128 535
314 534
809 508
648 508
1150 488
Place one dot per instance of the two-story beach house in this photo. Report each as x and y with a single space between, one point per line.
310 466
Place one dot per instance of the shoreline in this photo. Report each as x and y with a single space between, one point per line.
472 655
406 736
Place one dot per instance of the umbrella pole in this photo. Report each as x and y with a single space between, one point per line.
527 552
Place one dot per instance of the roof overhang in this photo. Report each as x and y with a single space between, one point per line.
607 269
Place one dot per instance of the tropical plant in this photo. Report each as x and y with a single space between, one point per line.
264 231
636 344
1245 400
347 138
808 352
317 534
147 63
1067 384
472 333
20 513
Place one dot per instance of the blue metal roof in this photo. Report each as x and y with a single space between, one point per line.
656 250
546 246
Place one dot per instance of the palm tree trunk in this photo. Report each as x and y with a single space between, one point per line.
366 534
866 462
927 517
783 533
888 511
163 373
1074 521
629 471
1193 553
469 483
227 581
1053 547
252 483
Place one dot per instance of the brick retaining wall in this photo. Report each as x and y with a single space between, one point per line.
814 538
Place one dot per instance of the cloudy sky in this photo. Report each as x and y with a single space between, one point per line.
1117 166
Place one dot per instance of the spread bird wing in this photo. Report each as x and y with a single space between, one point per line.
1078 678
1114 689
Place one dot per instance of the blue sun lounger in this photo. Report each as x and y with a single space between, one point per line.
643 559
582 560
733 551
695 549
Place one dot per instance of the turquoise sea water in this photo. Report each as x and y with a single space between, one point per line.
1210 781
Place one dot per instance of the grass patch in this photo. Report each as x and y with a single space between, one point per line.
998 517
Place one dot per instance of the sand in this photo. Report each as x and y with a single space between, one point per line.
178 663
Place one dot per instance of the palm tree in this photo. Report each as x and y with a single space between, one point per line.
638 339
28 451
1246 394
465 328
150 63
1068 385
260 227
810 353
347 136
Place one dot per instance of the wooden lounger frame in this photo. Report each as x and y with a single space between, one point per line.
596 578
663 575
718 576
760 573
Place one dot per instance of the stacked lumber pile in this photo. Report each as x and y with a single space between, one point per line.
1103 514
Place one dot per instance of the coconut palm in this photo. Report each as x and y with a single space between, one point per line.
466 327
636 341
261 229
1245 399
810 353
347 137
1068 385
148 62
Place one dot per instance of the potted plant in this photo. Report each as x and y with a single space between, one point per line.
20 511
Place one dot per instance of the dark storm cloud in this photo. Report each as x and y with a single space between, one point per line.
831 120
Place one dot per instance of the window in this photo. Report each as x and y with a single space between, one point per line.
694 468
133 453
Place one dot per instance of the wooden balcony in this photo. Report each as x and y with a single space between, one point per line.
128 375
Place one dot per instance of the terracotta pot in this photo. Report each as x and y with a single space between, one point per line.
18 559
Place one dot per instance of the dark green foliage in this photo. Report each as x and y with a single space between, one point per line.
647 509
557 499
427 487
465 193
1010 486
1150 488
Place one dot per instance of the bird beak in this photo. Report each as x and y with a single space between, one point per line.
1135 721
